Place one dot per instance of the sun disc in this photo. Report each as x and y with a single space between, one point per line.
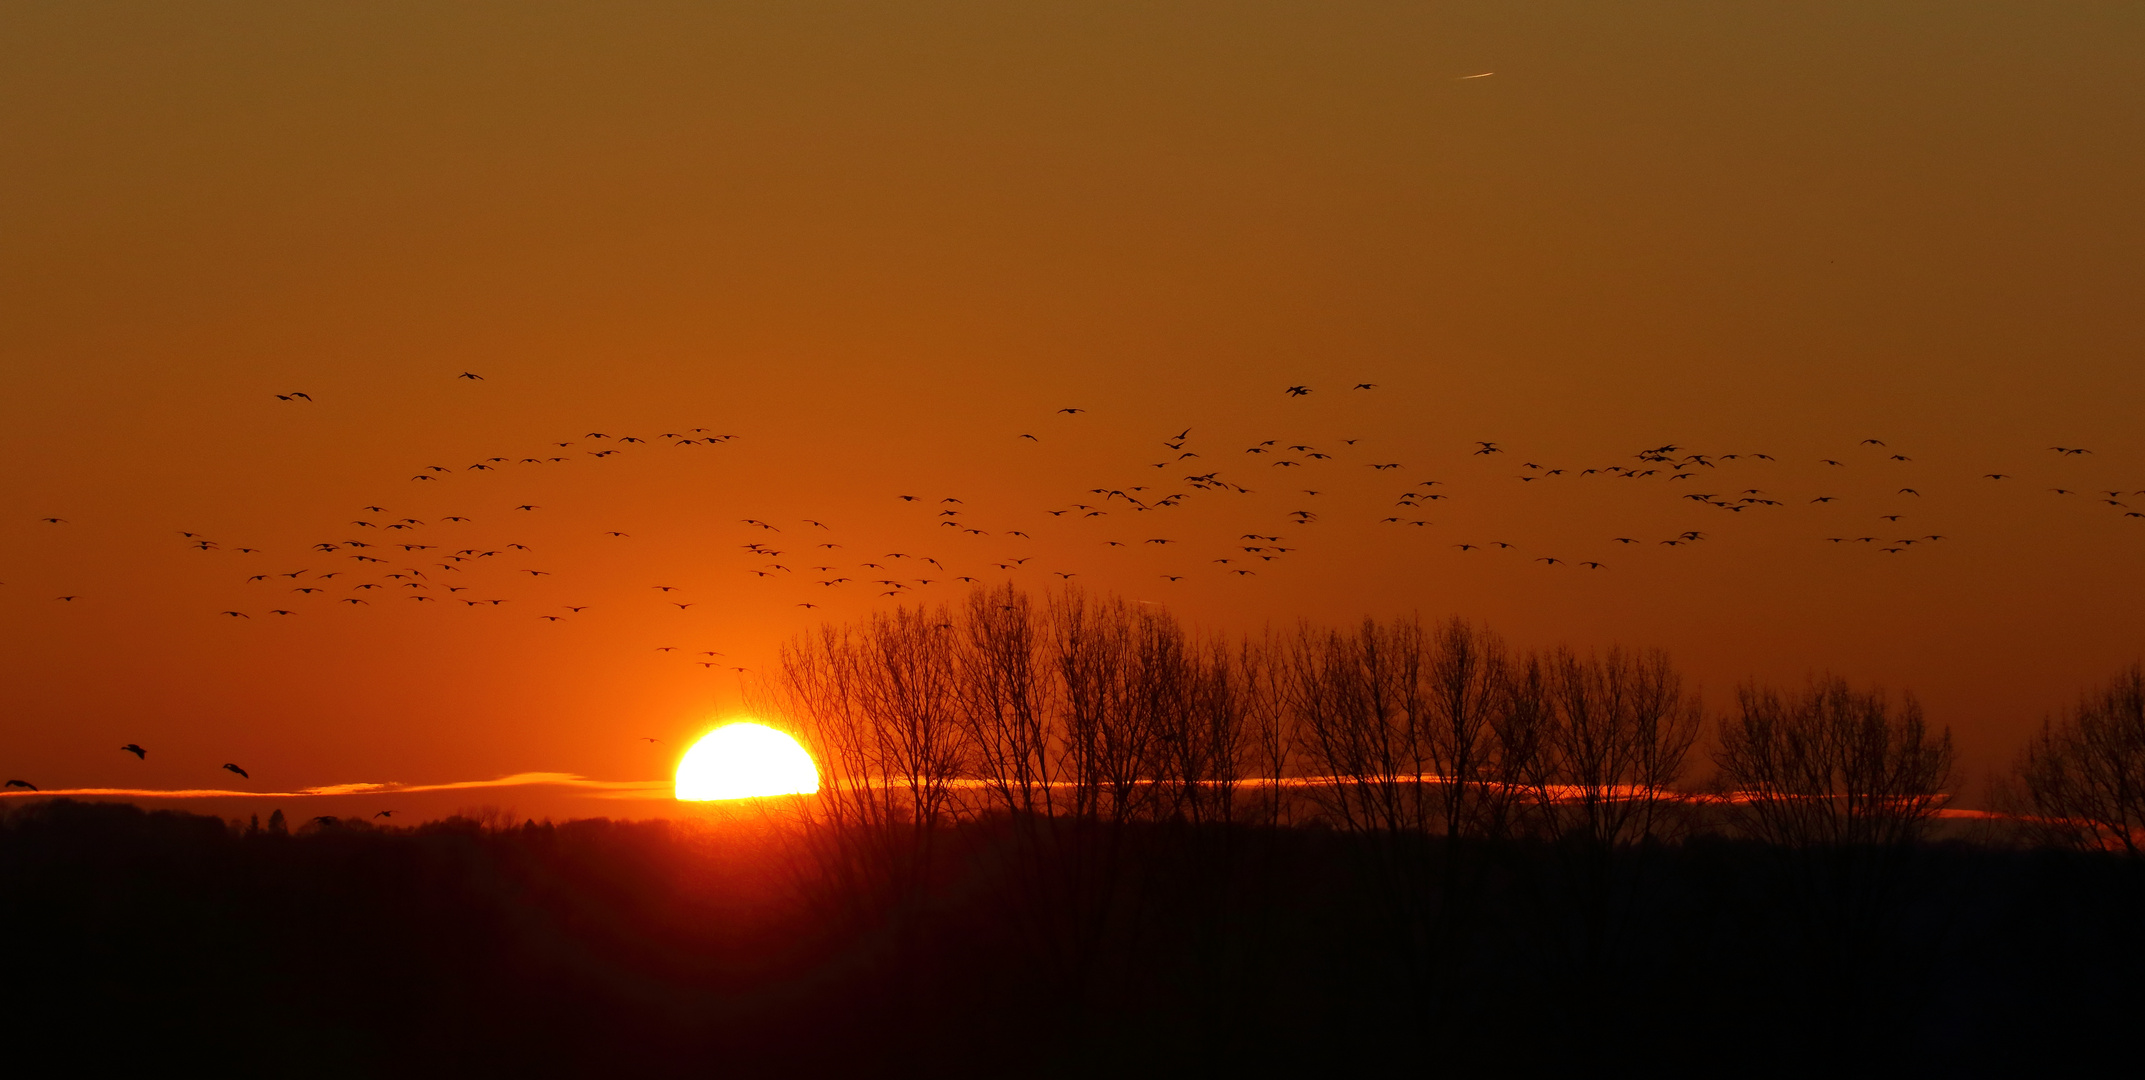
744 760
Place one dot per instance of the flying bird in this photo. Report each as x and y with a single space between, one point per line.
228 767
137 751
21 784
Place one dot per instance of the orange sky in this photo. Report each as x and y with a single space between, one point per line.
878 243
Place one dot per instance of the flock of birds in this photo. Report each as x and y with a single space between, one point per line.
382 557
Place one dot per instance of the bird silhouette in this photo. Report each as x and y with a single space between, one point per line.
228 767
137 751
21 784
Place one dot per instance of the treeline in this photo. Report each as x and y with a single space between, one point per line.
1086 766
1090 707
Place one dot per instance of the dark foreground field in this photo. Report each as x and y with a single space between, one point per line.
734 950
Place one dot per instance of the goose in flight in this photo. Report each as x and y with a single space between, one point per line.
228 767
137 751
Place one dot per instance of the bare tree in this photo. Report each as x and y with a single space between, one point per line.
1833 766
1465 680
1111 665
1270 733
1360 704
1520 721
1840 784
879 711
1007 704
1614 745
1611 735
2083 777
1204 742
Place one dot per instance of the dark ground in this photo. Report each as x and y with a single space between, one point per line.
460 949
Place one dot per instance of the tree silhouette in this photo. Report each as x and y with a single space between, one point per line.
2083 776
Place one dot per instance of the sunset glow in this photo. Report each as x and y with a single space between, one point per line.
745 761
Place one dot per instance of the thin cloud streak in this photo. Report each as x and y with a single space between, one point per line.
619 789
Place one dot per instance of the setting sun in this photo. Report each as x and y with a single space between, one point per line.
743 761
